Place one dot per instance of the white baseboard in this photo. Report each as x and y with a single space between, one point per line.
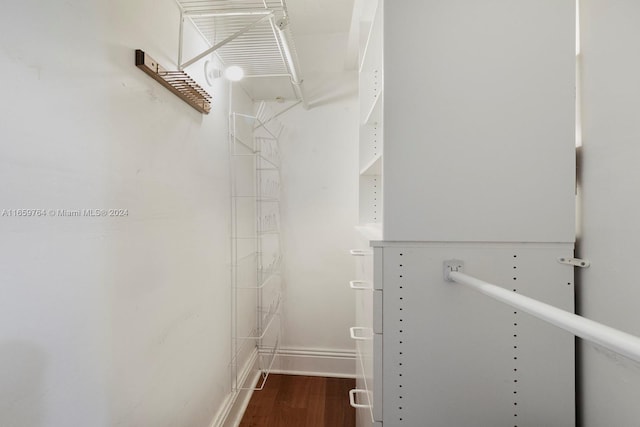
233 408
290 361
316 362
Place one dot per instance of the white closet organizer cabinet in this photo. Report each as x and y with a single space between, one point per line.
367 396
370 135
476 109
255 245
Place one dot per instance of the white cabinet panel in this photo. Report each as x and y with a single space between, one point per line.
475 105
479 122
376 377
457 358
377 312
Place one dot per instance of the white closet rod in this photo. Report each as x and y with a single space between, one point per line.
613 339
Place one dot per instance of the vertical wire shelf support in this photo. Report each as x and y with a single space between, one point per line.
256 294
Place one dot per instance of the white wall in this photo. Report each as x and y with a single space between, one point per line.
611 204
109 321
319 210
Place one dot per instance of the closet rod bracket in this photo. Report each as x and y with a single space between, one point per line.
576 262
451 265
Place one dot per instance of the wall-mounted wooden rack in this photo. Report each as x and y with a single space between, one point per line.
177 82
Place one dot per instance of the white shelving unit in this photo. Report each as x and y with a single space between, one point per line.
366 398
255 245
451 357
455 123
371 106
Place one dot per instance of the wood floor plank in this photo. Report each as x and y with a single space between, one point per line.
316 405
259 411
338 411
301 401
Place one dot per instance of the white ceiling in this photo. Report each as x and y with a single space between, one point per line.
320 16
321 31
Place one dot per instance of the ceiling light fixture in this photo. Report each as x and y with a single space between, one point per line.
211 72
234 73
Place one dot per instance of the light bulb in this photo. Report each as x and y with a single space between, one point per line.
234 73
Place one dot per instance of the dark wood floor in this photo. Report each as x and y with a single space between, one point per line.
298 401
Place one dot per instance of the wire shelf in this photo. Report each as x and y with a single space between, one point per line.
253 35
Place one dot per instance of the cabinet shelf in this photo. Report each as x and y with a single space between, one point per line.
374 115
373 167
371 232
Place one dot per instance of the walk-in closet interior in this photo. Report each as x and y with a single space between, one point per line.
435 199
